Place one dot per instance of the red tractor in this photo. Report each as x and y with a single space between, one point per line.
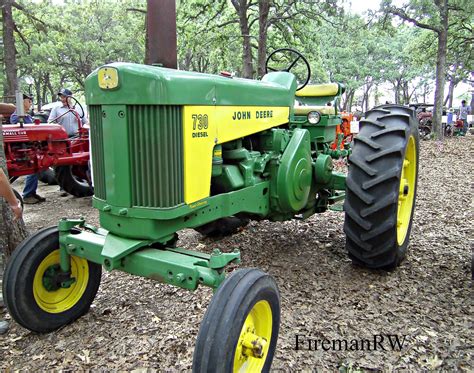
33 148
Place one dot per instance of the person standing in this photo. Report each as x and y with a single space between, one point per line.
65 115
6 192
464 111
30 196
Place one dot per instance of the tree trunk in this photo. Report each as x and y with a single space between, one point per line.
345 100
472 92
440 71
11 232
449 98
264 8
396 89
351 100
9 52
247 62
38 94
406 93
366 96
44 91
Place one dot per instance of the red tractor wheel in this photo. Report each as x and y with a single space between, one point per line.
74 180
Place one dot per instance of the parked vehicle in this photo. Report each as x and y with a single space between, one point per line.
176 149
39 147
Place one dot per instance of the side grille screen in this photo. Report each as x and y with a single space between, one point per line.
156 155
97 145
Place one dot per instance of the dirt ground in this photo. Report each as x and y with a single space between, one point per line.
137 323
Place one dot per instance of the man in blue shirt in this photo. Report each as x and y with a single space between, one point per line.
64 115
30 196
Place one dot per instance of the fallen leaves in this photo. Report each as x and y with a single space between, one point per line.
138 324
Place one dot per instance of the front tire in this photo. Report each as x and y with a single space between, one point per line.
27 296
381 187
240 328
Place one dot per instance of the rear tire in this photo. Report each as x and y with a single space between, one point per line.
72 183
48 176
381 187
28 300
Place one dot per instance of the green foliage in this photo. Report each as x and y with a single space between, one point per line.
60 45
74 39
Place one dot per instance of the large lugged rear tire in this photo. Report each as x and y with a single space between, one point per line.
31 292
73 179
381 187
240 328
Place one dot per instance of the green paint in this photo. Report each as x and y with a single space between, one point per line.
180 267
291 176
138 156
152 85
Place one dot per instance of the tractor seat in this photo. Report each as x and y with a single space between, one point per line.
305 109
320 90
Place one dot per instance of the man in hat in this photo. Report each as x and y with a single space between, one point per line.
27 102
64 114
30 196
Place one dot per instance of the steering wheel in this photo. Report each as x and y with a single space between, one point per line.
73 107
289 57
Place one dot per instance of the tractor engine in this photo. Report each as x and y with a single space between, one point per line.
176 149
33 148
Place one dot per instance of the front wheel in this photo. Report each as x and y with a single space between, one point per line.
381 187
34 288
240 328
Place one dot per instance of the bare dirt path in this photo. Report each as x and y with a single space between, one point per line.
137 323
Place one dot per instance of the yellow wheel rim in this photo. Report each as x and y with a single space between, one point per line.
254 340
62 299
406 195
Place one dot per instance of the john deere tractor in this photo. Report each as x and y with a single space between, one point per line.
174 150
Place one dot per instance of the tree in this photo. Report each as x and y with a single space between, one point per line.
434 15
12 232
9 51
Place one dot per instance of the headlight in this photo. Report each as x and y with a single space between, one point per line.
314 117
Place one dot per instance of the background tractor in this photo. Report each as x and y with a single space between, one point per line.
40 147
174 150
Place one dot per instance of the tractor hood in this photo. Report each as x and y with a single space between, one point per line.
134 84
33 132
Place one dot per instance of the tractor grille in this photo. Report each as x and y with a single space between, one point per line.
97 141
156 155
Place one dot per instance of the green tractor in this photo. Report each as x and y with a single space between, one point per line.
175 150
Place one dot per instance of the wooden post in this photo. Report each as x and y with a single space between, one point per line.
161 33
